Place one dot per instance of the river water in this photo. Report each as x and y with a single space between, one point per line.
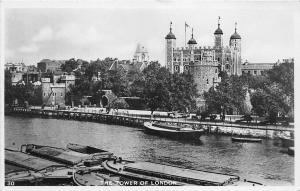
265 162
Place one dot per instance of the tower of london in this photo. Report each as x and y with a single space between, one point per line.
204 62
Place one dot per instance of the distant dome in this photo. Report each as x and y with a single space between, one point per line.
235 36
170 36
192 41
218 31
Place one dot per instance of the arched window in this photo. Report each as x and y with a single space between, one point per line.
176 68
186 67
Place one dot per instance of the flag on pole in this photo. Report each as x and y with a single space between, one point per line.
185 26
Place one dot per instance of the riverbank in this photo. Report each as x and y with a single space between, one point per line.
136 118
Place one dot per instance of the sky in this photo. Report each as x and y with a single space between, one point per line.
91 32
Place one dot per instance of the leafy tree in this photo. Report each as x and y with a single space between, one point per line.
69 65
228 95
119 104
183 92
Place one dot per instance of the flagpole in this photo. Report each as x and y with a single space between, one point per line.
184 34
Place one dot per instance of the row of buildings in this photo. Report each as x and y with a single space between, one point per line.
56 84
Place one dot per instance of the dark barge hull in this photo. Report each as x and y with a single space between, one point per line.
287 142
175 133
245 139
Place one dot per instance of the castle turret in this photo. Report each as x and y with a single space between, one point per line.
235 46
170 45
192 42
218 36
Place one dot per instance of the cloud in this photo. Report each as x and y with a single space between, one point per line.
44 34
30 48
79 35
9 53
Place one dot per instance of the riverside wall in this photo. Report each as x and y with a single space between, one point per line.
136 120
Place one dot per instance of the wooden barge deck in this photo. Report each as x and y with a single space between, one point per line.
27 161
179 175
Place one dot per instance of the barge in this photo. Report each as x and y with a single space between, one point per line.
246 139
153 172
171 131
25 169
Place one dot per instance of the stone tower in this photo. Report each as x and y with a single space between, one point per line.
218 46
218 37
170 45
235 47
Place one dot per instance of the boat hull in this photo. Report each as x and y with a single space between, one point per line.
286 142
291 151
241 139
174 134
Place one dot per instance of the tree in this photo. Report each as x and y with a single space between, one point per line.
69 65
119 104
227 96
275 94
183 92
155 92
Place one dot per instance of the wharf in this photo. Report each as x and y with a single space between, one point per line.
136 120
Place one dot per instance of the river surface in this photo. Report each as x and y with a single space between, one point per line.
265 162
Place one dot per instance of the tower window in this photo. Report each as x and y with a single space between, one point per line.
227 59
176 68
186 67
219 59
207 82
216 71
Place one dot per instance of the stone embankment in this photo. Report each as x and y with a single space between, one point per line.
136 118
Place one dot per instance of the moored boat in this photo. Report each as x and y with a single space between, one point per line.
291 151
155 174
287 142
61 155
95 176
23 178
177 132
31 170
103 154
246 139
